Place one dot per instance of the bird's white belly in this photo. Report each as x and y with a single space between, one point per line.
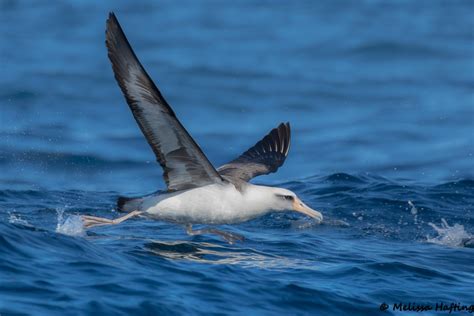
211 204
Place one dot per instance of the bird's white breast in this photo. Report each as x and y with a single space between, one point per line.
211 204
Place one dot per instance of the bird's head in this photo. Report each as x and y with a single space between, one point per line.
283 199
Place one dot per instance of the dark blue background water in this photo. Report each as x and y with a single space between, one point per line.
380 98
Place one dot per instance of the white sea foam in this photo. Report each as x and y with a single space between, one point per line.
70 224
453 236
16 219
413 211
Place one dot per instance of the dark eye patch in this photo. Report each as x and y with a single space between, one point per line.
286 197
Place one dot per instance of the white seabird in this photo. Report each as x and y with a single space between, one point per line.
197 193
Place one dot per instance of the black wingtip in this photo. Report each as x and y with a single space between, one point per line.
112 24
109 24
112 19
284 128
284 125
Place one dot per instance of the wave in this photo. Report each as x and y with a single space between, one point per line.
365 205
395 49
375 230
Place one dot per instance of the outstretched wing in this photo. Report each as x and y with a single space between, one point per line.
184 164
264 157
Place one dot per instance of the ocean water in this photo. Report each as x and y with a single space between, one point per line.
380 99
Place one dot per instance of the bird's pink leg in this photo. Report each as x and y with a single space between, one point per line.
92 221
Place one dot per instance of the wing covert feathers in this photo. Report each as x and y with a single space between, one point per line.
265 157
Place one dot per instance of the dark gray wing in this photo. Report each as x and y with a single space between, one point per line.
184 164
264 157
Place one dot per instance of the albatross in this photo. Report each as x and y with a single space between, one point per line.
197 193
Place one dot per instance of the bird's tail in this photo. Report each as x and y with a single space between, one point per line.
128 204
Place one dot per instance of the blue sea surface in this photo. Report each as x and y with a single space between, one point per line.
380 97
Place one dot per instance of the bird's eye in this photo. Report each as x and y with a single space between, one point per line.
286 197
